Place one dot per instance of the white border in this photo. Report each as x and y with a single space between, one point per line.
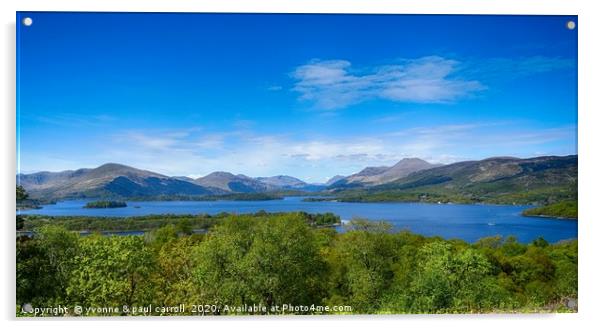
589 28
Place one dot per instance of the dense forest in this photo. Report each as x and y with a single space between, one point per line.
288 259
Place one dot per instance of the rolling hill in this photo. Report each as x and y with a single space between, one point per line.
283 182
243 184
231 183
119 181
540 180
334 179
108 180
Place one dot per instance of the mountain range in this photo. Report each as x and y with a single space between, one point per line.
541 180
108 180
470 179
113 180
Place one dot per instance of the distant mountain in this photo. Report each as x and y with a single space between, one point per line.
232 183
369 172
243 184
47 179
283 182
370 176
541 180
527 173
498 180
402 169
113 180
108 180
334 179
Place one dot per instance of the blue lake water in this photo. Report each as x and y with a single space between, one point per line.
466 222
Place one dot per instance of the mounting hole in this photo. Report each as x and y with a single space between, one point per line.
570 25
27 21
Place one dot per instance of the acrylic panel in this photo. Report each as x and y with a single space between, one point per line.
284 164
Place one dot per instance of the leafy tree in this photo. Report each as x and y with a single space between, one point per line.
511 247
283 263
173 280
44 265
360 224
275 259
474 288
112 271
270 261
564 257
20 222
361 266
184 226
21 194
455 281
159 237
220 273
540 242
490 242
432 289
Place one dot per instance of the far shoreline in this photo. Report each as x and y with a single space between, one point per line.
553 217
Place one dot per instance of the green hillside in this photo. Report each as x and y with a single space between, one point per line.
540 181
564 209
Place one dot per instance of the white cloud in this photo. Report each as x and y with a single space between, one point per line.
334 84
150 142
196 152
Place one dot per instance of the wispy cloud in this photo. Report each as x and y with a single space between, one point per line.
197 153
336 84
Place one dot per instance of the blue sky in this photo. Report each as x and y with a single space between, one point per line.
305 95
